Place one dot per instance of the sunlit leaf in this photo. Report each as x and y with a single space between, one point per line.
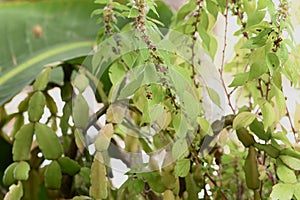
243 119
182 167
282 191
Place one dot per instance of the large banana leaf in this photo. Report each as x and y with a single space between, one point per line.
33 34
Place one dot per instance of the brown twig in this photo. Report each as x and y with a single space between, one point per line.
228 95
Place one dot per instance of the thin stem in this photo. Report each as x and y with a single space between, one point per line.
291 123
215 184
223 59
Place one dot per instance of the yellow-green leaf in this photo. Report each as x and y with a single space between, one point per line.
36 106
80 112
23 142
48 141
21 171
42 80
53 175
243 119
268 114
15 192
98 189
8 177
68 166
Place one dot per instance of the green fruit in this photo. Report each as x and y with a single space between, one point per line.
23 142
80 112
251 169
48 141
36 106
8 177
21 171
245 137
42 80
53 175
68 166
269 149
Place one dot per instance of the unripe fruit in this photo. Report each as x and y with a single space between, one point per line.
245 137
251 169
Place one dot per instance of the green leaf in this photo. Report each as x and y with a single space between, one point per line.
179 149
291 162
255 18
212 8
261 4
79 140
204 36
102 142
133 13
296 190
272 62
98 189
183 12
284 173
80 112
101 1
51 104
257 128
282 191
243 119
81 198
68 166
152 5
23 142
190 103
131 87
257 69
254 42
249 6
53 175
42 80
37 103
214 96
239 79
205 126
156 111
204 21
182 167
48 141
155 181
137 186
280 101
49 31
268 114
21 171
81 82
8 177
15 192
180 125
